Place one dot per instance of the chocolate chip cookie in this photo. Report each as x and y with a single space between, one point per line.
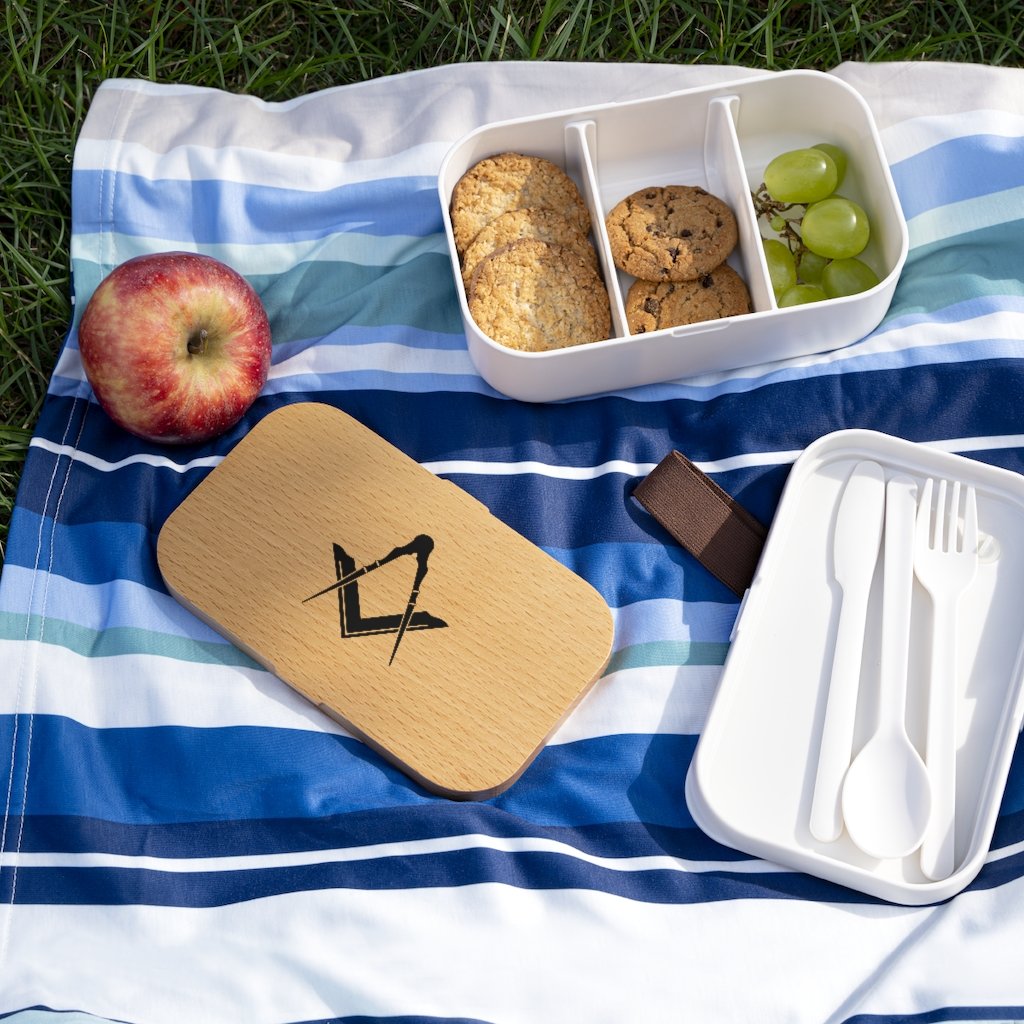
651 306
671 233
534 296
511 181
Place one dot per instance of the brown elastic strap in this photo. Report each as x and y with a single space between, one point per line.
719 532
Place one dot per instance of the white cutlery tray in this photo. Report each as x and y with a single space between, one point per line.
719 138
751 781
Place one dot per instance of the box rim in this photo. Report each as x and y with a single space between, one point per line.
476 337
865 443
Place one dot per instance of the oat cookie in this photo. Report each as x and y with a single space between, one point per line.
651 306
534 296
532 222
510 181
671 233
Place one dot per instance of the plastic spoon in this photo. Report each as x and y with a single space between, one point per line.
887 793
858 533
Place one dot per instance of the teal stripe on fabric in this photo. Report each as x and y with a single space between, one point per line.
249 257
313 299
105 643
973 265
118 640
658 653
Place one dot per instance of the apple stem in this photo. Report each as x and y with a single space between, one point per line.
197 342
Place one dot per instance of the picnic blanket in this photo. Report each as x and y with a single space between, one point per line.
184 838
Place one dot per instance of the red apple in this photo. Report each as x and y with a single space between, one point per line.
176 346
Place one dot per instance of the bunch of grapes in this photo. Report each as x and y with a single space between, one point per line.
819 233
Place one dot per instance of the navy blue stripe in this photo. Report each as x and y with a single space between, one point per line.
100 553
962 400
13 1016
537 871
956 1014
165 774
1009 829
379 826
86 553
403 1019
135 501
999 872
210 211
105 886
143 495
61 422
921 402
957 399
373 827
918 402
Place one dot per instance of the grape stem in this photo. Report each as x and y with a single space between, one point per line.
768 209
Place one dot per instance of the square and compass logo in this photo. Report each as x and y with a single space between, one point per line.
356 624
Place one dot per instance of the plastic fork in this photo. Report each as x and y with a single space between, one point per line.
945 561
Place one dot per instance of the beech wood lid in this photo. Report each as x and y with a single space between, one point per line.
389 597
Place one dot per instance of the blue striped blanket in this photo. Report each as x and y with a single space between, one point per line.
183 838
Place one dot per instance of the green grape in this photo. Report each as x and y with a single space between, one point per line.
835 228
778 222
781 265
838 158
801 176
847 277
802 293
810 266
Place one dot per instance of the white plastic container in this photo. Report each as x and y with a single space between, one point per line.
752 777
719 138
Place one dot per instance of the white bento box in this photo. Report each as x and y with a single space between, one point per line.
719 138
752 779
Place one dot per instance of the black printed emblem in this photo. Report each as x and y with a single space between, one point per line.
353 622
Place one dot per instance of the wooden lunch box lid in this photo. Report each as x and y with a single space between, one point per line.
389 597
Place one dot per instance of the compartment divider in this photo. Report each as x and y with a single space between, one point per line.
581 161
727 177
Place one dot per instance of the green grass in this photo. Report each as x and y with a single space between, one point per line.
54 54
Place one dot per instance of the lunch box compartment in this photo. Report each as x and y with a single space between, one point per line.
720 139
752 778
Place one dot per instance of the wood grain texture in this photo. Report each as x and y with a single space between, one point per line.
501 642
